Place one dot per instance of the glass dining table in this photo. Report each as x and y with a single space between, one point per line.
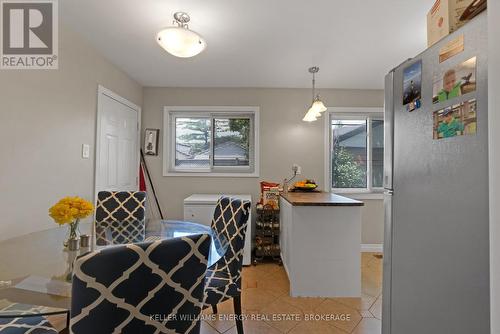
35 269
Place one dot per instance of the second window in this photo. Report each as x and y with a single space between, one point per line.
356 152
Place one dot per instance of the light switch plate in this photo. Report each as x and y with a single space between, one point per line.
85 151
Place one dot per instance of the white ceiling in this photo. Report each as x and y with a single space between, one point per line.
257 43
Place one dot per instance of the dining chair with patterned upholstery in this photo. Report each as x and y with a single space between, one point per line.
28 318
150 287
120 217
25 325
223 279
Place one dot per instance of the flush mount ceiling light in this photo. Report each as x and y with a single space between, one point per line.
180 41
317 106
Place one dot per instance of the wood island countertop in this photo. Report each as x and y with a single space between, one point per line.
319 199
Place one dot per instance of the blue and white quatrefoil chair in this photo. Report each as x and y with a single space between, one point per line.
224 277
25 325
120 217
153 287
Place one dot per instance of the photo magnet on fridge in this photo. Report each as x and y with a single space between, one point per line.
452 48
455 81
412 86
457 120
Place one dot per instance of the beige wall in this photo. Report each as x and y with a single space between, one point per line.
494 125
284 138
45 117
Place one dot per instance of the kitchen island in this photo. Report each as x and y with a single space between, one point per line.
320 244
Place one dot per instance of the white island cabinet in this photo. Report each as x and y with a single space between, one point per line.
320 242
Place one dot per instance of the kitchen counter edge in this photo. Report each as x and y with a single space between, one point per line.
319 199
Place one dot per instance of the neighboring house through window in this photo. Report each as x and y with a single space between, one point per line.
211 141
355 150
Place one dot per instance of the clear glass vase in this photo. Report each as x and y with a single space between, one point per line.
73 232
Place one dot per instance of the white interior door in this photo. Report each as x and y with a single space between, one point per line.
117 143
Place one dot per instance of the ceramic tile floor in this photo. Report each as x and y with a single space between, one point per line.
265 295
265 299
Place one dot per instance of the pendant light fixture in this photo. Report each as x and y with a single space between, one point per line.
180 41
317 106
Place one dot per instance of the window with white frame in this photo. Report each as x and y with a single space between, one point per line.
356 151
216 141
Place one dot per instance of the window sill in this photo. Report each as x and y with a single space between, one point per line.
361 196
203 174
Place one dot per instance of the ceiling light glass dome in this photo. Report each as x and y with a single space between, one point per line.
180 41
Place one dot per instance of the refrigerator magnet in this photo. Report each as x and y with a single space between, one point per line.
454 81
452 48
412 86
456 120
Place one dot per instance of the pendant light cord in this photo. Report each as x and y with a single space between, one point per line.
313 70
314 86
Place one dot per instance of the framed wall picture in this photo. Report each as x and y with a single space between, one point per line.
151 137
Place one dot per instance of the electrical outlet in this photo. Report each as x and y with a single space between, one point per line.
297 169
85 151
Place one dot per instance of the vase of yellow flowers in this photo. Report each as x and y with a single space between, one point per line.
69 211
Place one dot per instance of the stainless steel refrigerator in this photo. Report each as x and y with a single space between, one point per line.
436 247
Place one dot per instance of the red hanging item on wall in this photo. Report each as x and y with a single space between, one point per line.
142 178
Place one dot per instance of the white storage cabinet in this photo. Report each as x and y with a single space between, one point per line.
199 208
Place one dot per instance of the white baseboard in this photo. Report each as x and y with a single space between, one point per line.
284 265
372 248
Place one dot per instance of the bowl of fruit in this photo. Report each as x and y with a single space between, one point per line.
305 185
